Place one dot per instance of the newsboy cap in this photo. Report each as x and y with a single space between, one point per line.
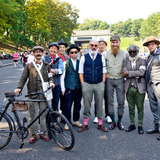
53 44
115 38
38 48
71 47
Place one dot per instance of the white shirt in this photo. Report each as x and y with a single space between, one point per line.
82 60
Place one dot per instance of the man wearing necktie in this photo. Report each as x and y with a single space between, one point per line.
135 88
153 81
92 73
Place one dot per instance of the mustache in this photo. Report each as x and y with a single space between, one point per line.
38 56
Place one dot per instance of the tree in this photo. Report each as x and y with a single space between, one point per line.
150 26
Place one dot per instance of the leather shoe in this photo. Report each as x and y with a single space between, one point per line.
158 138
130 128
83 128
120 126
102 128
153 130
140 130
112 126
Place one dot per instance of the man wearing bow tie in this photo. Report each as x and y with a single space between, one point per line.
92 73
35 85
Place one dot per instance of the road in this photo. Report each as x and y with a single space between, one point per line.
91 144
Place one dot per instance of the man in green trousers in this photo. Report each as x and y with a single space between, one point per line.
134 71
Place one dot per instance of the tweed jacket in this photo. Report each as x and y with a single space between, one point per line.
30 74
137 73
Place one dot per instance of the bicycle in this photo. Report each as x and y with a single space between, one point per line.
55 122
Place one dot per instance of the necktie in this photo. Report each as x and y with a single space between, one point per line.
93 56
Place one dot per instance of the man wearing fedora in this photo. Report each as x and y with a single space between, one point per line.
153 81
115 82
71 87
57 68
35 85
92 73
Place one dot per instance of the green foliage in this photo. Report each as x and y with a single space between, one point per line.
91 24
151 26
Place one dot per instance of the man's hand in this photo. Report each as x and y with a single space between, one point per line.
63 93
124 73
53 72
52 84
17 91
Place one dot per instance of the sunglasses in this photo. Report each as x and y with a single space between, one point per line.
94 45
73 52
132 51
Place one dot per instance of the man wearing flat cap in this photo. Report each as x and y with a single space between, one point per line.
35 85
57 68
153 81
115 82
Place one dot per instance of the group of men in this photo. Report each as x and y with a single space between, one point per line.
97 74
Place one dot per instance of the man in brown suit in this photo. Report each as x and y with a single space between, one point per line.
35 85
134 70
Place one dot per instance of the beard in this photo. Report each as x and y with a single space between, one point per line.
115 50
93 52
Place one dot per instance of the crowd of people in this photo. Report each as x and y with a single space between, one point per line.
96 75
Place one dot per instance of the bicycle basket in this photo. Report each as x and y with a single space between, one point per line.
20 106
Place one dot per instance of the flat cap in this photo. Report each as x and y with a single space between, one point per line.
38 48
115 38
53 44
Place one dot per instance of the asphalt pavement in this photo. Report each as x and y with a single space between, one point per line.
89 145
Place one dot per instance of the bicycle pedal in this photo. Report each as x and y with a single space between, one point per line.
22 144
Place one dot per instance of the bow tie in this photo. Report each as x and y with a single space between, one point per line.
38 63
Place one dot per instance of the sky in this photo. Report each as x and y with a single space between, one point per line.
113 11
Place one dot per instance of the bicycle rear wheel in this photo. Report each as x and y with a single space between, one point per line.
64 138
5 131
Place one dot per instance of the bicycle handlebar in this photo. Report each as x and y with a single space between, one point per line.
38 93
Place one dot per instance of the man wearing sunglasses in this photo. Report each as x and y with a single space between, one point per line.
135 88
153 81
71 87
92 72
114 82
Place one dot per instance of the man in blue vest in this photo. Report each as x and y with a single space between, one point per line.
57 69
92 72
71 87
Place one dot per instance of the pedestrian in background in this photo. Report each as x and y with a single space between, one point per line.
15 59
24 58
134 69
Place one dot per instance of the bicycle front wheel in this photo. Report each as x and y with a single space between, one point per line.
64 138
5 131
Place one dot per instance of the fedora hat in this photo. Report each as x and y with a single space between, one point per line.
71 47
61 42
149 40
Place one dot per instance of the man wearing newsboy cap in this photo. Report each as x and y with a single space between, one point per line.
153 81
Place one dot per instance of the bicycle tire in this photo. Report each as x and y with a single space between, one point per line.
5 131
64 138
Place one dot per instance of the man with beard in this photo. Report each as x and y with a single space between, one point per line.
153 81
92 73
114 62
35 85
57 68
135 88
